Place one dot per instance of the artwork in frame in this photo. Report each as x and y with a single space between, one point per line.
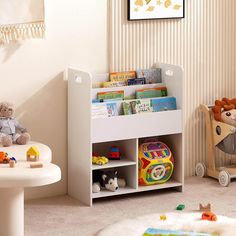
155 9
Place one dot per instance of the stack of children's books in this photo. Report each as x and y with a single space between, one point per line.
113 103
128 78
159 232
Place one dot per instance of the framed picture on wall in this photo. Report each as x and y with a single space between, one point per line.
155 9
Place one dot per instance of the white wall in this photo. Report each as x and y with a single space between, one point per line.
203 43
31 73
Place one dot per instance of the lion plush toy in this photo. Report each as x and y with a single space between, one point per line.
10 129
225 111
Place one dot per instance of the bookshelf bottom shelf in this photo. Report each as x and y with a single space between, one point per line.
128 190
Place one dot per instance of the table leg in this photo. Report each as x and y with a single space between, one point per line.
12 211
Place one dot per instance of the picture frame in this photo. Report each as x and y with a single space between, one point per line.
155 9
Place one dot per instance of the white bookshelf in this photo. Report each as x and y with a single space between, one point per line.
87 135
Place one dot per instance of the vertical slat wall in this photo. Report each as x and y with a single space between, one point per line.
203 43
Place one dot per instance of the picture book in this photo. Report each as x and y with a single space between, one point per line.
151 93
127 110
141 106
113 84
112 109
163 104
99 110
152 76
103 110
122 76
137 106
118 95
136 81
159 232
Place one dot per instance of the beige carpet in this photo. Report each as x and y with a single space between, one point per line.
66 216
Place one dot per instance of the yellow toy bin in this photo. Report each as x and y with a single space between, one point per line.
156 163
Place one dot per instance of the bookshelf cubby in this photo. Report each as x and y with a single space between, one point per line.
87 135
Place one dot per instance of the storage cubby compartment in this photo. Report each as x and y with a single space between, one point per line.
173 142
125 172
127 149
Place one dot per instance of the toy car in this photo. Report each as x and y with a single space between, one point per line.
209 216
99 160
4 159
114 153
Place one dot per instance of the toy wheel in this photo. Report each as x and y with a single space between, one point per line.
224 178
158 172
200 170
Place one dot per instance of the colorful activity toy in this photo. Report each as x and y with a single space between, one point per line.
156 163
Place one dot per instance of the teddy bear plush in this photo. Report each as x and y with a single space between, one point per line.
11 130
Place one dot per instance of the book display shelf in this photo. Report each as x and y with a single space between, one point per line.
87 135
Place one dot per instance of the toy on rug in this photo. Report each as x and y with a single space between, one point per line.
209 216
99 160
10 129
206 208
156 163
180 207
163 217
106 180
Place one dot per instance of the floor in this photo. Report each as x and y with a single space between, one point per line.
64 216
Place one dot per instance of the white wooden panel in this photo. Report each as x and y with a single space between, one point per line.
203 43
136 126
79 136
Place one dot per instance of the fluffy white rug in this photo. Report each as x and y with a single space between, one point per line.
175 221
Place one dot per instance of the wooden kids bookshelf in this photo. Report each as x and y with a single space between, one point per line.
87 135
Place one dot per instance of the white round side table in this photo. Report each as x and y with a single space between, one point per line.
14 180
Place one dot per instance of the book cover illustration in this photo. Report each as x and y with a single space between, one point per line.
152 76
122 76
127 110
159 232
113 84
141 106
115 95
136 81
163 104
112 109
99 110
151 93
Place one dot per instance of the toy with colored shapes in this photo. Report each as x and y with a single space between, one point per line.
32 154
163 217
209 216
206 208
114 153
180 207
99 160
156 163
